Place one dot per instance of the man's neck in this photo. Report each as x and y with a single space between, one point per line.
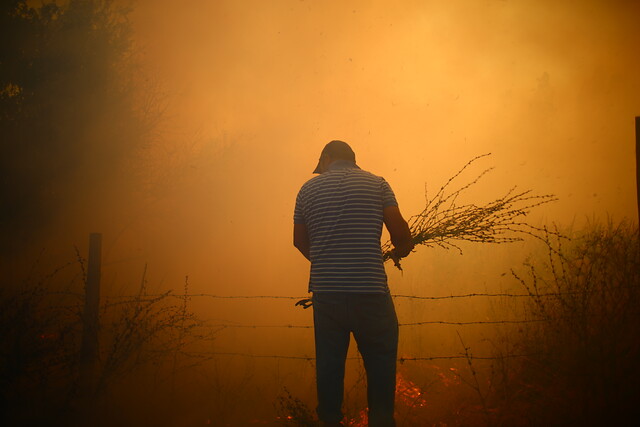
341 164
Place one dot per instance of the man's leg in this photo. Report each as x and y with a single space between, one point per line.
376 333
332 342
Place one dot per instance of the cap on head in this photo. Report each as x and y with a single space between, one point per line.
337 150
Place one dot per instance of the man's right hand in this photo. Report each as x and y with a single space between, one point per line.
399 231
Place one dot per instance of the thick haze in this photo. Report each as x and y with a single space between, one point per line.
255 89
251 92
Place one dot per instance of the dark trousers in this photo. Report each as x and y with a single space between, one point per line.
372 320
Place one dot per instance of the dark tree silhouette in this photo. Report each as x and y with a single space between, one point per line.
67 109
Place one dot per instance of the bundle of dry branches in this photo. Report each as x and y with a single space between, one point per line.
443 222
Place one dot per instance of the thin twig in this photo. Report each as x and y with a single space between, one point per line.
443 222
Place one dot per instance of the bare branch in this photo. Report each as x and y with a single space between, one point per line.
442 222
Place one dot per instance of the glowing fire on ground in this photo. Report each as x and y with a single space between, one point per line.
407 394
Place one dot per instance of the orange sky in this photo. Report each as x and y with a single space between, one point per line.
256 88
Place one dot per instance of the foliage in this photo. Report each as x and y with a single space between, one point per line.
583 349
39 352
41 372
68 116
293 411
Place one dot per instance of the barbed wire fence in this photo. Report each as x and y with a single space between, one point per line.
111 302
115 301
444 222
123 300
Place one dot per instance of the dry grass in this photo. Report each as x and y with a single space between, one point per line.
41 381
583 364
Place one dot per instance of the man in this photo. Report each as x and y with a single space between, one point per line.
337 226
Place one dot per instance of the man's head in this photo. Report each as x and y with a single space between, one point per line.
335 150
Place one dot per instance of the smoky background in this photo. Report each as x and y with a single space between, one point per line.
187 142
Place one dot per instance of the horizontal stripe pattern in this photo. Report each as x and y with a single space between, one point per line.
342 209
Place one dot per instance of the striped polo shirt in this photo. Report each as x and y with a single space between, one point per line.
342 209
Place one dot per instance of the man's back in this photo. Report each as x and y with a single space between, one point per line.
337 226
343 212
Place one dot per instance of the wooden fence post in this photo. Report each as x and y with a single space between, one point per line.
90 318
638 165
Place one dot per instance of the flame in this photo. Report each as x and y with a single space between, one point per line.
48 336
450 377
409 393
360 420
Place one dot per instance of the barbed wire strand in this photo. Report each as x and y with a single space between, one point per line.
428 322
151 297
401 359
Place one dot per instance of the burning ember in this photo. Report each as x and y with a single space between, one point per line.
409 393
48 336
361 420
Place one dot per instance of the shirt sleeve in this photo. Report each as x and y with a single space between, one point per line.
388 197
298 213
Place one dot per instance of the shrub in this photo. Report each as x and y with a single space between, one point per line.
583 345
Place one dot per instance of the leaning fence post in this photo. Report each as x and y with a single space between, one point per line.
90 318
638 165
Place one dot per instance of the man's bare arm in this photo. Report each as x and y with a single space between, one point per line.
399 231
301 239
